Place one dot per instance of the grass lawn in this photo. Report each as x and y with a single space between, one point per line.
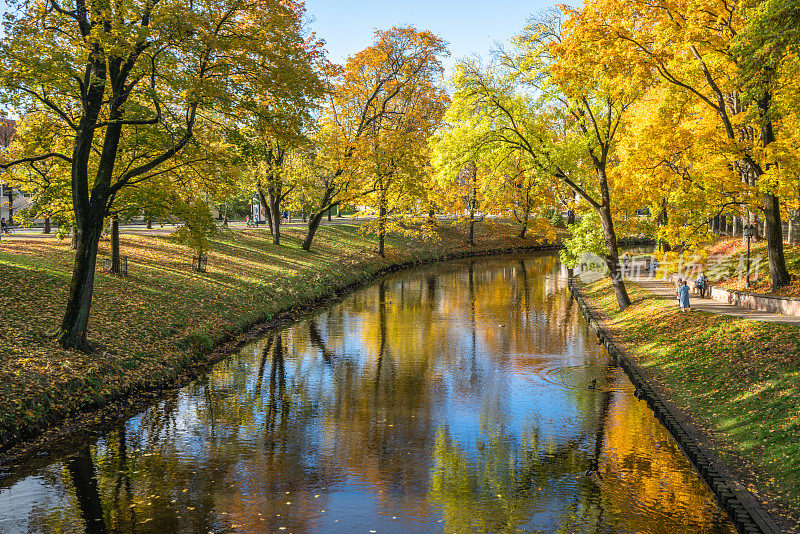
162 319
738 379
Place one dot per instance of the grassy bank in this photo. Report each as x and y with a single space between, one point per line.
725 264
152 326
738 379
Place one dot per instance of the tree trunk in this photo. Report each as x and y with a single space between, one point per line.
74 237
149 223
381 229
46 229
313 224
329 214
774 233
472 204
275 217
772 210
115 244
76 317
612 257
10 194
315 217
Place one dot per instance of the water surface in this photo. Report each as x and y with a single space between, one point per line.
452 398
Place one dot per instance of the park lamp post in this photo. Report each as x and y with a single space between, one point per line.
749 232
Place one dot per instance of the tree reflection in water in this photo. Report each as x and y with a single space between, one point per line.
452 397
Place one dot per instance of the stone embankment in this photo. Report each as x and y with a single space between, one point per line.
742 506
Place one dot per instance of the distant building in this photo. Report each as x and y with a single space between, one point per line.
7 129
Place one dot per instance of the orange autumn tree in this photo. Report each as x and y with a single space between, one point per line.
669 162
375 87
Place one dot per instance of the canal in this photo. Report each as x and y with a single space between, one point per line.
458 397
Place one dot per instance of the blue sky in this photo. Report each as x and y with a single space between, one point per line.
470 26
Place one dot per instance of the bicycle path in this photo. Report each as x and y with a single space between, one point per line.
666 290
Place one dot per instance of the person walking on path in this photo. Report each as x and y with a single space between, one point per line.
678 289
702 284
683 296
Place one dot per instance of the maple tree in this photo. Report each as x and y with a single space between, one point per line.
396 161
476 174
553 100
376 85
117 73
691 48
270 125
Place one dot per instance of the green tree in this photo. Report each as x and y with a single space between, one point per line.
130 80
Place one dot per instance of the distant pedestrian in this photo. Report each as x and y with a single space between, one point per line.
702 285
683 296
626 263
678 289
653 267
3 226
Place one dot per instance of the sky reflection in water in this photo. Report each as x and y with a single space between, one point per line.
449 398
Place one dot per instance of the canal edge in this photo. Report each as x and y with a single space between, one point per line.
85 420
732 495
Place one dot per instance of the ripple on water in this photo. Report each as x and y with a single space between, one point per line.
577 377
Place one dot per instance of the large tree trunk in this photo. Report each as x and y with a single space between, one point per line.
772 210
612 257
115 244
76 317
313 224
10 193
265 204
774 233
275 217
315 217
46 229
382 227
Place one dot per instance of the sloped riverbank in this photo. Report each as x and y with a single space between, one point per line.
162 324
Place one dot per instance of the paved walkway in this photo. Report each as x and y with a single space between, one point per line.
666 290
